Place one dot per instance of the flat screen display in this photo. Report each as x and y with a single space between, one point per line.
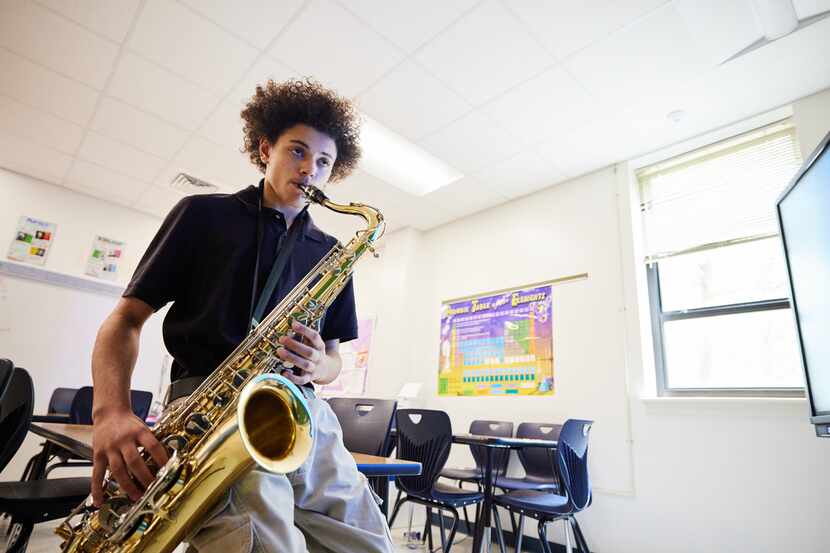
804 219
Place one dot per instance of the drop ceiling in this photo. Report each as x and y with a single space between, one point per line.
112 98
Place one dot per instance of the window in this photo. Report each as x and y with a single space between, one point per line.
716 275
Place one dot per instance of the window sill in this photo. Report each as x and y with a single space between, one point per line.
748 406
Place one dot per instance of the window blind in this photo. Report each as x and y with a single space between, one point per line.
717 195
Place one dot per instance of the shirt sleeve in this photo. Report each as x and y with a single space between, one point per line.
161 274
340 322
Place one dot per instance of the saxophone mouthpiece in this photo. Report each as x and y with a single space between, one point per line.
312 193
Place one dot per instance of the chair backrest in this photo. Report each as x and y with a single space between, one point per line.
572 459
502 429
61 401
365 423
425 436
81 410
537 461
17 401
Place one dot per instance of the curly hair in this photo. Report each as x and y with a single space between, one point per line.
276 107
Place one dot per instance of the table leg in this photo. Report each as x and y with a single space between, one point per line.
482 532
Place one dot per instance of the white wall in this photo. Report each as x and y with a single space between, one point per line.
48 329
671 475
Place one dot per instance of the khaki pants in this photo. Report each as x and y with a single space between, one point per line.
324 506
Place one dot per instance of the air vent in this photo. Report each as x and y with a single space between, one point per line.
192 185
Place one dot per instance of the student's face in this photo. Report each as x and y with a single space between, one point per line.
301 154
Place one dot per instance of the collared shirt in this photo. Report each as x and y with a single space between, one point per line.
202 259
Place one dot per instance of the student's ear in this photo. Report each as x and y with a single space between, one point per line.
264 150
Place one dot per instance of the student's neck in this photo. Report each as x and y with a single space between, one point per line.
290 212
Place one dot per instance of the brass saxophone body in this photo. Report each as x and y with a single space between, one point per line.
242 415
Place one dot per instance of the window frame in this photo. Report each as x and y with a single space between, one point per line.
660 317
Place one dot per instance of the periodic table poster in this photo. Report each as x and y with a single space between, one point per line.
499 343
32 241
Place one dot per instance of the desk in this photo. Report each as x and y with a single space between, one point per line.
77 438
490 443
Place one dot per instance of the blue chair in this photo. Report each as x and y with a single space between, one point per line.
572 466
426 436
365 423
81 410
475 474
540 474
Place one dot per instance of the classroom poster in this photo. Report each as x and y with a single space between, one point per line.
32 241
355 356
104 258
497 344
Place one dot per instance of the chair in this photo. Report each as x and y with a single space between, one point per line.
500 457
426 436
81 410
575 495
33 501
365 423
536 462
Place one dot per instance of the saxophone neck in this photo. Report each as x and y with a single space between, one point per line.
373 217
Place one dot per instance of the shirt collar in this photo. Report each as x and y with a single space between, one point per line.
250 199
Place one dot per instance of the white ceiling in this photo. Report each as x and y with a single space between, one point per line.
112 98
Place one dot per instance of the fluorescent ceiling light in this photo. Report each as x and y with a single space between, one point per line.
394 159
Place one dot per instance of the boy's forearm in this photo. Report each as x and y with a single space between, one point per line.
113 360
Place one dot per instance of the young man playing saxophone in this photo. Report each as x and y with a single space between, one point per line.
211 258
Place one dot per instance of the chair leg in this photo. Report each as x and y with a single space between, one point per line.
428 528
566 525
466 516
19 536
520 528
580 538
443 535
453 529
543 536
398 503
499 535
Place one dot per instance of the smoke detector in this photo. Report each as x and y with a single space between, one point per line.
192 185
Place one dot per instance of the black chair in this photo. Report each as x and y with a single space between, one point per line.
365 423
426 436
536 462
572 470
501 457
33 501
81 410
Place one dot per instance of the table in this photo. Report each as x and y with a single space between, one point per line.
77 438
490 443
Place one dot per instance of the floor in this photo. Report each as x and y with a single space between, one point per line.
44 540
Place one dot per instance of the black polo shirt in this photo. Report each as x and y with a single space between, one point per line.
202 259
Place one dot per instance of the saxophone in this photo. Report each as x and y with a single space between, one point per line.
244 414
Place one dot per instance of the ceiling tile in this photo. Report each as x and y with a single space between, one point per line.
263 70
44 89
809 8
223 166
522 174
28 158
545 105
21 120
564 26
255 21
158 200
176 38
110 18
412 102
149 87
49 39
484 54
137 128
345 53
465 196
119 157
472 142
103 183
224 126
409 24
646 59
722 28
